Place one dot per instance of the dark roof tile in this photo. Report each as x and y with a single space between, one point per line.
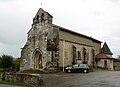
105 49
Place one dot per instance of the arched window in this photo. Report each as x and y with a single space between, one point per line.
79 55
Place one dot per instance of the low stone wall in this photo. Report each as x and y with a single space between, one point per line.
32 80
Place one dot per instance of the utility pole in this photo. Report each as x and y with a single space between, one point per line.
63 54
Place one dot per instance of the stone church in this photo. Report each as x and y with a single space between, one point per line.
50 46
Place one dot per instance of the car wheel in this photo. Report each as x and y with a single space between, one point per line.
69 71
85 71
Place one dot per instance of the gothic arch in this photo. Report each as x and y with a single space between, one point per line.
37 55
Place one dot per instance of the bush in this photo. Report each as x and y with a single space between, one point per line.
8 62
16 64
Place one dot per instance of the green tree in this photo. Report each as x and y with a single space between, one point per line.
6 62
16 64
0 61
118 57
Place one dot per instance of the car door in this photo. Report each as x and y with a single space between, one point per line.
75 68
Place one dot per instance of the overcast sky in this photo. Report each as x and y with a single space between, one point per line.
97 18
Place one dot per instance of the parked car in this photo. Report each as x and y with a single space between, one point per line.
78 68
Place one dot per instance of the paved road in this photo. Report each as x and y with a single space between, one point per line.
6 85
92 79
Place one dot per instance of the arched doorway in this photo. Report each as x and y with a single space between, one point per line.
38 60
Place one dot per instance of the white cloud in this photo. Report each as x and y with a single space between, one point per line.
13 50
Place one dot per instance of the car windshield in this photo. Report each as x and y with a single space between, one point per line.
82 65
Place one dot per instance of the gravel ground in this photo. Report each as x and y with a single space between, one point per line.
98 78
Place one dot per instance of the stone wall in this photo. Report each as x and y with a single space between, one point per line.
101 64
32 80
116 65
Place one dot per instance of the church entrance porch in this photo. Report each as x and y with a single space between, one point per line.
38 60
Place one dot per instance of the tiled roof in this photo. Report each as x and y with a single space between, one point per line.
105 49
73 32
104 56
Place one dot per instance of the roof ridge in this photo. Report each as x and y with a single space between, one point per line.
62 28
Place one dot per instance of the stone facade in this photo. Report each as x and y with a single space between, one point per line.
105 63
50 46
116 65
